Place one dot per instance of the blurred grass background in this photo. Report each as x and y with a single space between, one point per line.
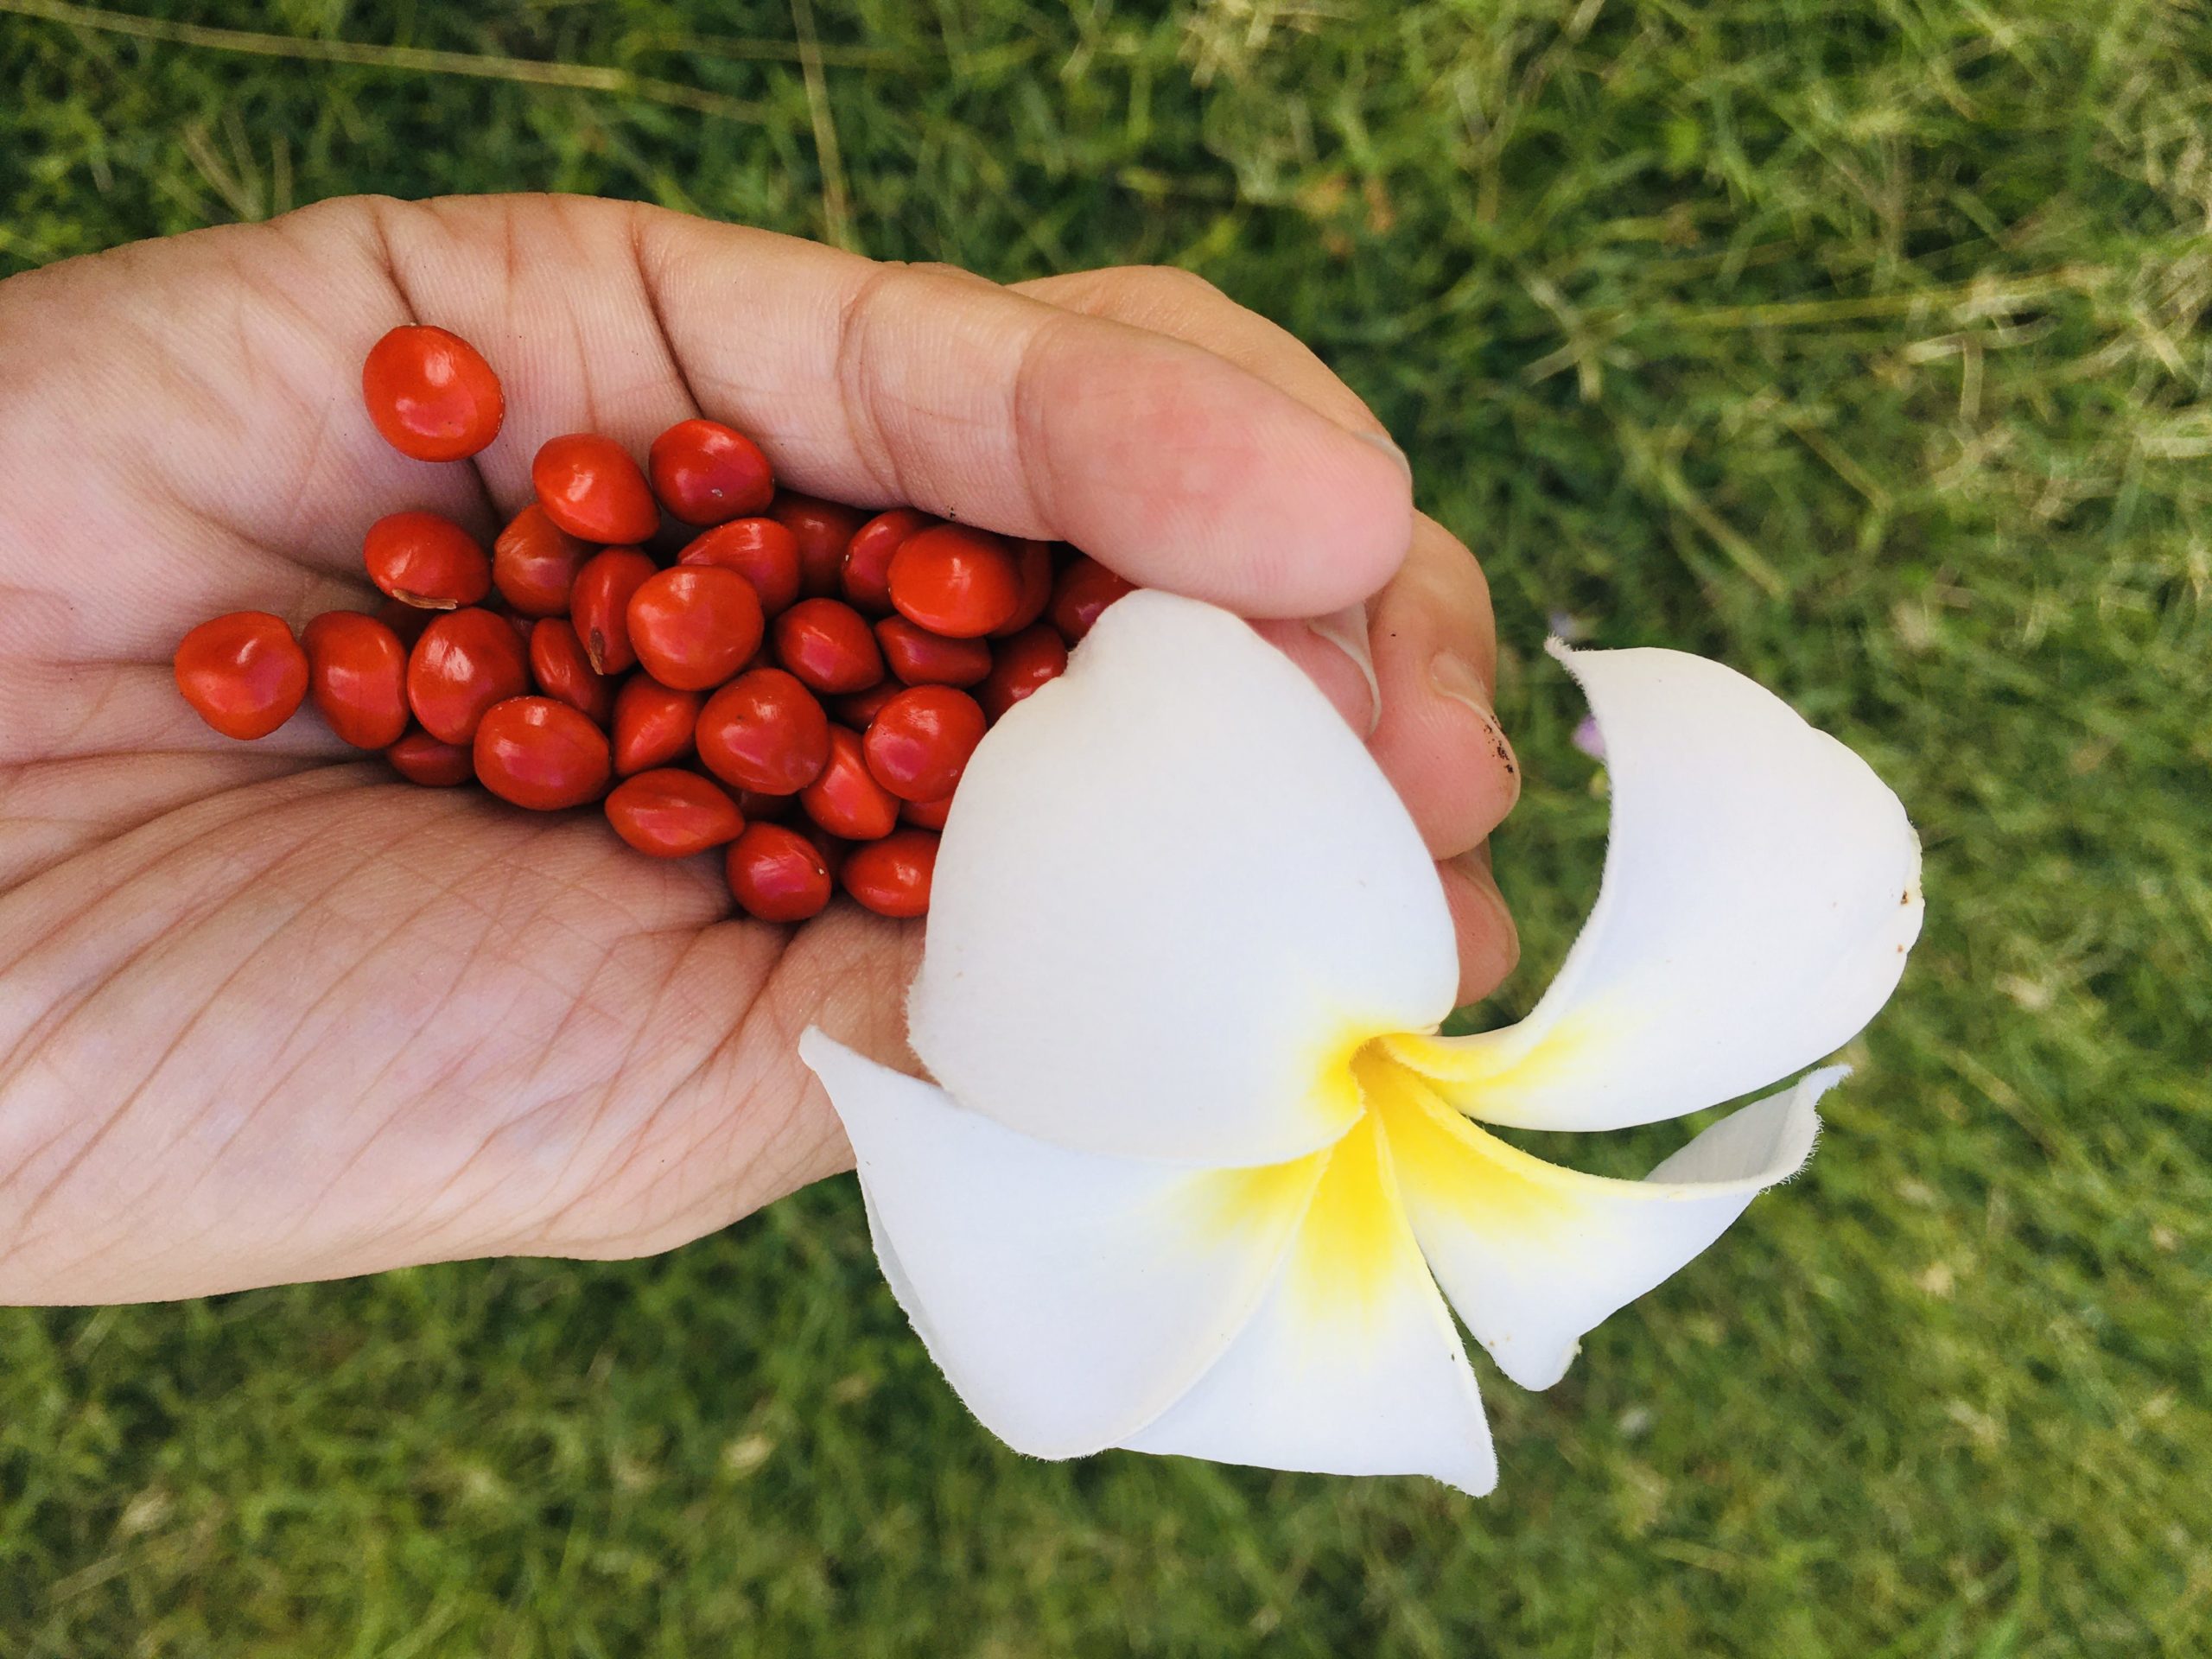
1861 343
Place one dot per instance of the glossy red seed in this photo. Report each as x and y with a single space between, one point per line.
920 742
865 577
694 626
918 657
431 394
535 561
846 799
926 815
1033 560
829 645
590 488
776 874
557 663
707 474
420 758
671 814
465 661
956 581
599 604
1032 657
1081 591
244 673
653 724
822 530
759 549
357 674
764 731
892 876
857 708
541 754
422 558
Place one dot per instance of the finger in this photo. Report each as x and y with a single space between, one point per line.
1490 946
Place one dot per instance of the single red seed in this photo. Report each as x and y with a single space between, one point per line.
420 758
892 876
764 731
706 473
406 620
465 661
921 657
822 530
653 724
846 799
541 754
759 549
776 874
1020 666
829 645
1034 562
425 559
599 604
590 488
357 674
535 561
673 814
557 663
431 394
956 581
926 815
244 673
1081 591
694 626
857 708
920 741
865 577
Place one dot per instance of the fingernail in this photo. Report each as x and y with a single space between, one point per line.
1453 675
1347 631
1381 441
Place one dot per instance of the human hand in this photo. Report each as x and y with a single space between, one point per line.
267 1014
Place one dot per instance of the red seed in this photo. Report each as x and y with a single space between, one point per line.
540 753
465 661
956 581
920 742
1020 666
653 724
865 577
694 626
422 558
926 815
535 561
406 620
673 814
431 394
759 549
829 645
420 758
892 876
857 708
776 874
1034 562
707 474
921 657
244 673
357 674
557 663
590 488
1082 590
833 849
846 800
822 530
598 606
764 732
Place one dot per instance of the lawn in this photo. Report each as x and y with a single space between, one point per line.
1860 343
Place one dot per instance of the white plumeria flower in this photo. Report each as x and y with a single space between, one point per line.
1196 1162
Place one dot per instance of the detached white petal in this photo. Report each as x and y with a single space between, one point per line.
1534 1256
1175 894
1761 887
1070 1299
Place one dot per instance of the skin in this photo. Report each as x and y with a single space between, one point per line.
267 1014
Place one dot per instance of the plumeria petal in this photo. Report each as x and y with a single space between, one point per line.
1761 887
1174 895
1351 1365
1533 1256
1070 1299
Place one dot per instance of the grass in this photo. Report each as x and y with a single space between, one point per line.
1860 342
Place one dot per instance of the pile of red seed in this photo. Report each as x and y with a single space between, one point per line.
800 683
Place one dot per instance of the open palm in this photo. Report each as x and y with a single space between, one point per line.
267 1014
